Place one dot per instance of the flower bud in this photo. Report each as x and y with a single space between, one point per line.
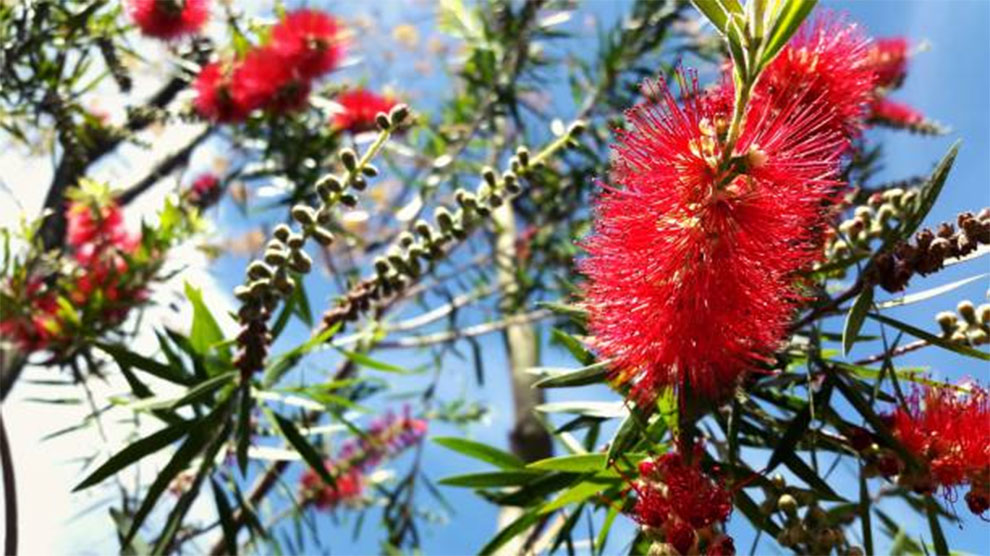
511 183
495 200
894 196
323 236
947 321
983 313
444 219
370 170
284 283
522 155
281 232
259 287
348 158
303 214
489 176
424 229
296 241
577 128
332 183
382 267
398 114
967 311
258 269
406 239
787 504
275 257
349 199
324 193
242 293
359 183
381 119
300 262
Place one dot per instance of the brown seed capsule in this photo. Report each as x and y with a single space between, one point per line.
348 158
281 232
323 236
258 269
398 114
381 119
303 214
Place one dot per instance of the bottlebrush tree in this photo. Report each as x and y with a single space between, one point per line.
708 243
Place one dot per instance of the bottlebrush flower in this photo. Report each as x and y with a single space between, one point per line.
676 497
214 98
204 191
263 80
691 265
346 489
359 108
33 322
898 115
832 60
386 437
310 41
89 223
947 432
888 59
169 19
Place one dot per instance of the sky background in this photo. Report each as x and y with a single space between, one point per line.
949 82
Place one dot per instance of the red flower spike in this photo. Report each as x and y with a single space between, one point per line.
691 268
688 495
722 546
895 114
832 60
888 59
680 535
347 487
360 107
169 19
264 80
214 99
948 432
309 41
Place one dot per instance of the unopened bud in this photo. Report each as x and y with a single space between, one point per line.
947 321
522 154
332 183
886 213
301 262
275 257
576 128
382 267
489 175
444 219
259 287
369 170
864 214
258 269
756 157
406 239
381 119
424 229
324 193
983 313
359 183
323 236
303 214
281 232
295 241
495 200
348 158
349 199
398 114
967 311
284 283
242 293
511 182
787 504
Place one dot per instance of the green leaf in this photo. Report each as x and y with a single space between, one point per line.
717 11
789 20
125 357
185 501
938 537
203 389
136 451
929 193
626 436
483 452
605 410
931 338
226 519
580 492
493 479
524 522
204 332
855 318
561 378
579 463
613 512
573 345
195 442
365 361
305 449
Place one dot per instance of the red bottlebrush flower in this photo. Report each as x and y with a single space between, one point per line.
346 489
87 223
309 41
204 191
691 266
722 546
947 431
888 59
264 80
40 327
386 437
214 99
897 115
832 60
169 19
360 107
675 496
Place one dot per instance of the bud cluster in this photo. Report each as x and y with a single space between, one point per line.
930 249
428 242
270 279
875 220
812 533
971 326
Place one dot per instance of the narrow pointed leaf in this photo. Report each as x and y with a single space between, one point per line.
482 452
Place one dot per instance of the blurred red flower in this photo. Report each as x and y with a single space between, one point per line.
169 19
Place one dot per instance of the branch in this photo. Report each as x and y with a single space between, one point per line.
468 332
163 168
9 493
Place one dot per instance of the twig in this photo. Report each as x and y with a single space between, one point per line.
470 331
9 493
163 168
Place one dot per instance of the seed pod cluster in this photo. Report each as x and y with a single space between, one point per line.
929 250
875 220
271 278
412 254
814 532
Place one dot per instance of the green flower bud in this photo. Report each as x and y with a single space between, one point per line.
398 114
444 219
522 154
406 239
983 313
495 200
275 257
258 269
369 170
947 320
296 241
489 176
787 504
284 283
323 236
300 262
382 267
424 229
259 287
242 293
381 119
359 183
303 214
349 199
332 183
577 128
511 183
348 158
323 191
323 216
282 232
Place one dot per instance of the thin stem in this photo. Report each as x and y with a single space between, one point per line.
743 93
9 493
